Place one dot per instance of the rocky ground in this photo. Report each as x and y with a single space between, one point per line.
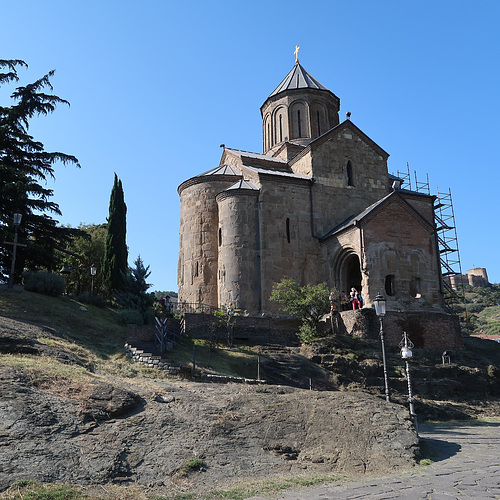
173 436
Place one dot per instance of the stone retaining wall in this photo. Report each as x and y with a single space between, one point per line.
254 330
429 330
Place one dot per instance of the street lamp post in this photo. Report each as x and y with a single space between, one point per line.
92 274
406 353
380 312
17 222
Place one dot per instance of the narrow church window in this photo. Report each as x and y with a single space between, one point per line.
220 236
350 181
196 269
319 123
299 124
281 128
390 288
288 229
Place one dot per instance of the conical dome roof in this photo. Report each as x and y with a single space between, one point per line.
298 78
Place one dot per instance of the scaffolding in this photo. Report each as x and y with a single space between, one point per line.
406 183
449 253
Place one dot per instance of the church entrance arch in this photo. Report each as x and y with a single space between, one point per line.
351 275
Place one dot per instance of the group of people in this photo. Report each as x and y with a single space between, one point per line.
165 303
354 300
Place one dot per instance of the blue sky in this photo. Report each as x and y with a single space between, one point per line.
155 87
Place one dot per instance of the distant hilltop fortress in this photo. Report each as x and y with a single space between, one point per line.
474 277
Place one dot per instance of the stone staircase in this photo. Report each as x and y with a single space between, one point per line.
148 354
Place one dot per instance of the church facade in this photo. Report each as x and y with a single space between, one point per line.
317 205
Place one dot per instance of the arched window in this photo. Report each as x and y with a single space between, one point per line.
220 236
288 229
299 125
350 179
281 128
390 286
318 122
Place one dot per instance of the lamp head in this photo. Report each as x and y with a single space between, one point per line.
406 352
379 305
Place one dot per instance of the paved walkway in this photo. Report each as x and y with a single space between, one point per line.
467 465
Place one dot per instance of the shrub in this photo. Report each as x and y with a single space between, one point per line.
46 283
93 300
130 317
191 465
307 332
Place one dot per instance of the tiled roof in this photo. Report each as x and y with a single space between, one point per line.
256 156
242 184
222 170
298 78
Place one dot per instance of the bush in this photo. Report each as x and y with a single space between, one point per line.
307 332
130 317
93 300
46 283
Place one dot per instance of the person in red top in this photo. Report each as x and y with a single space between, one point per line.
354 299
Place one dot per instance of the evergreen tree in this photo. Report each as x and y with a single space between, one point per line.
24 166
114 265
135 292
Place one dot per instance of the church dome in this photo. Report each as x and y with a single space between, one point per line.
299 110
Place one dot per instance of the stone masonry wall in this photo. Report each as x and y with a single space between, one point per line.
198 254
334 200
239 251
429 330
254 330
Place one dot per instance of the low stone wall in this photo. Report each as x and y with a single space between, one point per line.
429 330
254 330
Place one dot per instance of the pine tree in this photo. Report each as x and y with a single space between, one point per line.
24 167
114 265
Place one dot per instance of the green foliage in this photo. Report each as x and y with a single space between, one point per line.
114 264
308 303
86 249
94 300
25 167
222 323
46 283
307 332
481 313
190 465
158 294
33 490
134 293
130 317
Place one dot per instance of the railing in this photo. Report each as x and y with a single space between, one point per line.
189 307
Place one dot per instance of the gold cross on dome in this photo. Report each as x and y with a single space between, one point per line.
296 53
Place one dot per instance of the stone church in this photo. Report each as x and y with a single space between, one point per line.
317 205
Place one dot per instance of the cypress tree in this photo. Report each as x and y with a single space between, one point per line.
114 266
